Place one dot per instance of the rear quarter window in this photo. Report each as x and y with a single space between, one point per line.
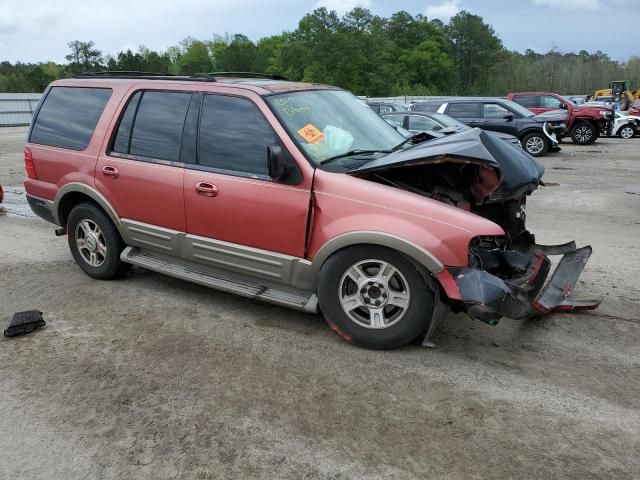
527 101
464 110
68 116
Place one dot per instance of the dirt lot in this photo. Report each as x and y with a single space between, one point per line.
151 377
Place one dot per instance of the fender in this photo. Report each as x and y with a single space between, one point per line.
96 196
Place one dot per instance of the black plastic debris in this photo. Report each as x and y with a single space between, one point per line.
24 322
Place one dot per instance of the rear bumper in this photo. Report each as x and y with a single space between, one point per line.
41 207
486 297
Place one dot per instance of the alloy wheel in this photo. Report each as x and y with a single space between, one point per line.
90 242
626 132
374 294
583 134
535 145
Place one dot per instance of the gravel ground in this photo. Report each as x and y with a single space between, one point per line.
154 378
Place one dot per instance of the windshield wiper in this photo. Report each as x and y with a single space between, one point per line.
350 153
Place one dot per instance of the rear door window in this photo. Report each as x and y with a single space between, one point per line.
68 117
464 110
158 125
234 135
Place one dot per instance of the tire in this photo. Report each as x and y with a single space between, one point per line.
95 242
584 133
625 103
535 144
405 299
626 132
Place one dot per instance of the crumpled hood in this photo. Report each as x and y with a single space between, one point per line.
552 116
520 173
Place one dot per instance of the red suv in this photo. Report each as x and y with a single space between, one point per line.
584 123
293 193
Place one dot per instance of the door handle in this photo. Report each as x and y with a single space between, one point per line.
110 172
206 189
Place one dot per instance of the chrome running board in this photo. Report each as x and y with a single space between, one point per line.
222 280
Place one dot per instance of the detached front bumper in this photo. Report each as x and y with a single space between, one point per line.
486 297
554 132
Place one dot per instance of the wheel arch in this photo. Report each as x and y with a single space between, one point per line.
74 193
363 238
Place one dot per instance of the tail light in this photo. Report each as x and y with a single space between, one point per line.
28 164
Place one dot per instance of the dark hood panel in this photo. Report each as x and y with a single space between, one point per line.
520 173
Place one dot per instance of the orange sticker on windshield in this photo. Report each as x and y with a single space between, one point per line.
310 133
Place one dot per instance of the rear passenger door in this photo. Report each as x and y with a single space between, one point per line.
233 206
141 171
466 112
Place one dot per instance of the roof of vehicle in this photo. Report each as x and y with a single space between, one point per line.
535 93
259 83
463 99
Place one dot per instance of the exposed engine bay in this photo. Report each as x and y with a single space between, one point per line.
482 174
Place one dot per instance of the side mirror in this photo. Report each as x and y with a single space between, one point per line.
508 117
565 106
278 166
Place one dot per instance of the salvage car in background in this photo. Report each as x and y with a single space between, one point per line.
320 204
385 107
584 123
538 134
625 126
416 122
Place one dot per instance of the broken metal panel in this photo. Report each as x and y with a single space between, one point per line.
487 297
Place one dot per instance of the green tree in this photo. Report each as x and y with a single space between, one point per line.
475 48
83 56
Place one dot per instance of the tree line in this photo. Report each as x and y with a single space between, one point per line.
365 53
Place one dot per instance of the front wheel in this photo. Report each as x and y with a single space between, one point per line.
535 144
584 134
375 297
626 132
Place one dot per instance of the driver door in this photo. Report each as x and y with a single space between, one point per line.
237 216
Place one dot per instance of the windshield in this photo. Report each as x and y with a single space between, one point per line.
516 107
448 121
328 123
568 100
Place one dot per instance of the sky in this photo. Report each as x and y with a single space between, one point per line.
39 30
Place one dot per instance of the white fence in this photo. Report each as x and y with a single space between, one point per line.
17 108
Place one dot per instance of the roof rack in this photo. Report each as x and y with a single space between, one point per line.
124 73
199 77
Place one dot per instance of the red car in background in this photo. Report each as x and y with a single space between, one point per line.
584 123
634 109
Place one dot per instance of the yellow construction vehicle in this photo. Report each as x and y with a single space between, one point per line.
621 92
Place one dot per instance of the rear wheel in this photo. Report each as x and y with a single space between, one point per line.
584 133
626 132
535 144
375 297
95 242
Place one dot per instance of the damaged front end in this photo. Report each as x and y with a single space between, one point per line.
506 276
502 282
